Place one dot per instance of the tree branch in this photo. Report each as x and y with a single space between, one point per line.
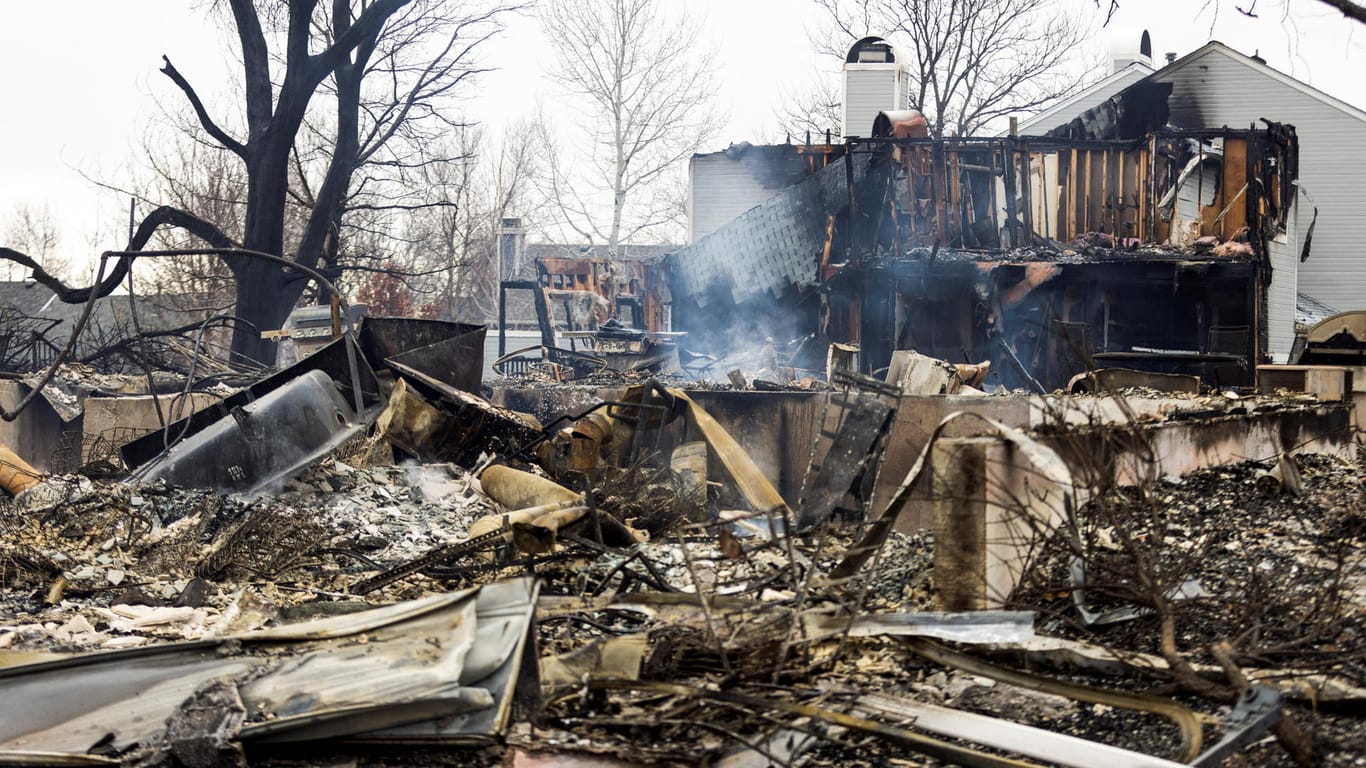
237 147
163 216
1349 9
256 66
366 27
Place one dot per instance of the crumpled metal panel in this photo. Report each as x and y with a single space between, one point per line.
259 444
452 353
444 668
113 700
340 360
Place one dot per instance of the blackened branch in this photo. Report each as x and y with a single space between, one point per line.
237 147
163 216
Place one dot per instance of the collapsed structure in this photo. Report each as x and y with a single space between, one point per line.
1041 254
999 474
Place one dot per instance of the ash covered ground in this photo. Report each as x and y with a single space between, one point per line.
95 565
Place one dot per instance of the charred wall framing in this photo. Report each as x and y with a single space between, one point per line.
632 290
1021 192
1085 314
1042 253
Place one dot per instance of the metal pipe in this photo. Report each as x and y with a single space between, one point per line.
76 330
282 261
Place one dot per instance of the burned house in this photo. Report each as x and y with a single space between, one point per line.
1216 86
586 306
377 556
1046 255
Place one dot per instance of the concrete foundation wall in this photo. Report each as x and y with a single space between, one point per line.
36 435
776 429
120 419
990 507
915 420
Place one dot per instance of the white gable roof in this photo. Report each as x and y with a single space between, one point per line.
1065 111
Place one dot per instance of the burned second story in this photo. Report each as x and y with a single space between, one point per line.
1094 236
1165 188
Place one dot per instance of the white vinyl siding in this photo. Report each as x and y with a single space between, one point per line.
1217 88
1280 295
1089 98
719 190
868 91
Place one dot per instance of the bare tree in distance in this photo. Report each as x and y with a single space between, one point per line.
971 63
649 83
446 264
814 112
444 244
401 128
417 52
35 232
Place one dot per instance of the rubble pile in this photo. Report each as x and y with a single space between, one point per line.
437 579
1288 564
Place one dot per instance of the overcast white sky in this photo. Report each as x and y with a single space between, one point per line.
79 79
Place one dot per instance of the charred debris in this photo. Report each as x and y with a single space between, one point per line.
1044 255
967 453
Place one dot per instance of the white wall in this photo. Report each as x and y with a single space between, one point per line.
719 189
868 90
1217 89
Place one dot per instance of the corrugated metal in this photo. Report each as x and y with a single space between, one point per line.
1214 89
866 93
720 190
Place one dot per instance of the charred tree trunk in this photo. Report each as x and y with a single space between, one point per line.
361 39
267 292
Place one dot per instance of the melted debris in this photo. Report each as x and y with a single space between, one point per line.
92 564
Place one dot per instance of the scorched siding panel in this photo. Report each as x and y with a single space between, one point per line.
1216 89
721 190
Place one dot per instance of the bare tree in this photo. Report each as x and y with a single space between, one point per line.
1353 11
401 124
1350 9
971 62
190 174
273 119
813 112
35 233
457 245
649 84
417 52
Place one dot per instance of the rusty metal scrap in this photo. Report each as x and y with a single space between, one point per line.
953 753
1192 739
16 475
